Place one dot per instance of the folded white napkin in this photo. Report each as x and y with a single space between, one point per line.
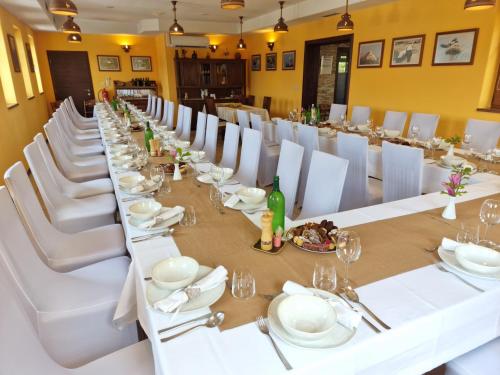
347 317
164 216
449 245
232 201
181 296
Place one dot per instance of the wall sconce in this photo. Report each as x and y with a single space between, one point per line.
212 47
270 45
126 48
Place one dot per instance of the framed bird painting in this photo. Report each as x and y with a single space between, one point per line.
455 47
407 51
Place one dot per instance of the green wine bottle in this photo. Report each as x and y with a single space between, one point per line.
148 135
276 203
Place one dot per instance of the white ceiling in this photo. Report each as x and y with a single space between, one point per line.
196 16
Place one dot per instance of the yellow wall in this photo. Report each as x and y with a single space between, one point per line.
20 123
454 92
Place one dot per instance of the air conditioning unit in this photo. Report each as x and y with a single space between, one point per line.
191 41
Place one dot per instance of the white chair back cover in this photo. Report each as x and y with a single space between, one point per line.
180 119
170 115
154 100
402 169
288 171
186 124
201 125
354 148
285 131
307 138
148 108
325 183
250 156
360 115
243 120
62 156
159 102
256 121
485 134
230 149
210 147
337 111
427 124
164 118
395 121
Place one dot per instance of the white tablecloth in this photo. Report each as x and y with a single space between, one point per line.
229 113
434 317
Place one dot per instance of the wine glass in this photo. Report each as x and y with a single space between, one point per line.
325 276
157 174
415 130
467 142
348 251
489 216
435 142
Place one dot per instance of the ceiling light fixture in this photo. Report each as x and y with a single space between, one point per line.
479 4
270 45
281 26
63 8
212 47
232 4
74 38
241 44
126 48
175 29
345 23
70 26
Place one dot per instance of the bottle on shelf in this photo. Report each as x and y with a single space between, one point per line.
148 135
276 203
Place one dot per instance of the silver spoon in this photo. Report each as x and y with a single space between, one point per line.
206 316
353 296
214 321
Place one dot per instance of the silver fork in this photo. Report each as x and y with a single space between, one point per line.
261 323
442 269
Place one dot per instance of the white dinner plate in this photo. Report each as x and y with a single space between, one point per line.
339 335
450 259
207 179
158 226
205 299
140 193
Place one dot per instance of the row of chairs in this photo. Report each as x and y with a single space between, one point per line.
60 280
485 134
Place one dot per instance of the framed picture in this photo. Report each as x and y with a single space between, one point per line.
141 63
407 51
455 47
371 54
288 60
13 53
29 56
256 63
271 61
108 63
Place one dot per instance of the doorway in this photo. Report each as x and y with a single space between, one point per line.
70 72
327 67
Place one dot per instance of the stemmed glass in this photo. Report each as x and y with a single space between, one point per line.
467 142
157 174
348 251
489 216
325 276
415 130
435 142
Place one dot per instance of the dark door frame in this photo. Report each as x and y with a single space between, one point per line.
311 66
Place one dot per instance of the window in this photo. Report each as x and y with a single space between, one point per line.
6 73
25 70
35 63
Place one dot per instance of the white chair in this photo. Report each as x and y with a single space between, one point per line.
484 360
69 215
285 131
249 160
356 193
485 134
288 171
325 183
201 125
150 101
269 155
243 120
337 111
159 102
154 100
75 168
164 118
170 117
402 169
307 138
186 124
256 121
180 119
80 134
69 188
210 147
71 312
230 148
427 125
78 147
395 121
81 121
360 115
61 251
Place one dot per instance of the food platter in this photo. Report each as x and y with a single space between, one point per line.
318 238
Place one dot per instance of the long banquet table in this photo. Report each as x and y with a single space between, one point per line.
434 317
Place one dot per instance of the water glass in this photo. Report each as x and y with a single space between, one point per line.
243 284
348 251
468 233
189 217
325 276
157 174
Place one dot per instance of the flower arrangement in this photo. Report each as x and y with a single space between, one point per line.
455 186
454 140
181 154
